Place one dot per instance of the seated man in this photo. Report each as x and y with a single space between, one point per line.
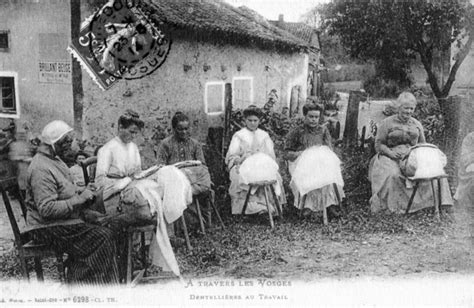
55 207
180 147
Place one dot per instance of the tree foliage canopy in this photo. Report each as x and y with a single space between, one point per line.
392 32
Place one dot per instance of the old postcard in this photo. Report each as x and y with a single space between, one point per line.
236 152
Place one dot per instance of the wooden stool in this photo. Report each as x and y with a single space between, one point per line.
436 204
185 231
265 185
200 217
210 203
325 213
142 273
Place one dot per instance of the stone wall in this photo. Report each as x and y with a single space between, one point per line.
156 97
171 88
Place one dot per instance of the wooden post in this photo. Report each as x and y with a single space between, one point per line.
227 116
77 89
294 100
315 83
362 138
352 117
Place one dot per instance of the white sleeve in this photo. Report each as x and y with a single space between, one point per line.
104 161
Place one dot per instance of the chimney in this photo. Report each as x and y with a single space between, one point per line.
280 21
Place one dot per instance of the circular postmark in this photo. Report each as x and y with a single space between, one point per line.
125 43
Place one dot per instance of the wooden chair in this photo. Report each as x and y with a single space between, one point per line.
436 195
325 213
88 166
265 185
88 169
27 248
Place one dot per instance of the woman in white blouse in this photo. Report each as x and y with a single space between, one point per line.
245 143
164 193
119 159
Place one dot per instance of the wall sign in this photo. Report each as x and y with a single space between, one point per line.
55 72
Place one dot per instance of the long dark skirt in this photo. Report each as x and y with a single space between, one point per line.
91 250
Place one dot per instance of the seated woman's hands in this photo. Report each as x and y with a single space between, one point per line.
82 200
87 195
395 155
241 159
122 183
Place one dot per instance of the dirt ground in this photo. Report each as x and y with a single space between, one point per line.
355 245
306 250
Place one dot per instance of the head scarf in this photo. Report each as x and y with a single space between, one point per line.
54 131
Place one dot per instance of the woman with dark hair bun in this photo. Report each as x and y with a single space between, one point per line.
309 147
245 143
129 118
119 158
132 196
252 110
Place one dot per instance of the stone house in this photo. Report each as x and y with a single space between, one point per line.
213 45
311 36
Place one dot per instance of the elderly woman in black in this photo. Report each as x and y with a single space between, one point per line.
55 207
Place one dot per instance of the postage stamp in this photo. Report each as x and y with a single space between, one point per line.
121 42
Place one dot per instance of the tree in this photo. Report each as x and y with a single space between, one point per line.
332 50
397 31
393 32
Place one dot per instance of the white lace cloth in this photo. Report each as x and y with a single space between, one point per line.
428 162
315 168
169 186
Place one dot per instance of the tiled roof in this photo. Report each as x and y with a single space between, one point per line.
298 29
220 22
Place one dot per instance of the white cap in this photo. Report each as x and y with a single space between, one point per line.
55 130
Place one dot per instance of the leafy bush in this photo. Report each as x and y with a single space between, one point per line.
328 95
348 72
429 114
378 87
